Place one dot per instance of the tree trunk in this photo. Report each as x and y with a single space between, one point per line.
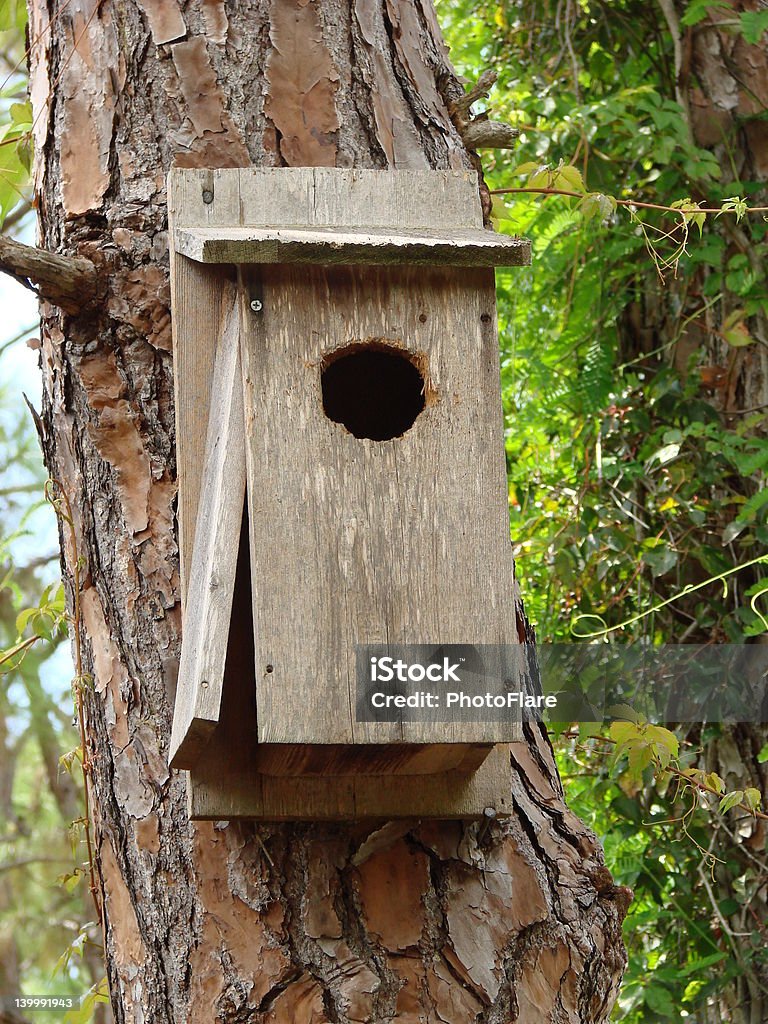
237 922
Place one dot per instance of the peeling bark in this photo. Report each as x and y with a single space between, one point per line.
301 85
237 922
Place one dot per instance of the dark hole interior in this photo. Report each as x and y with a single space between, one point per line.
375 392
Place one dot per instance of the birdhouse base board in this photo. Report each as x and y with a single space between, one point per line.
226 793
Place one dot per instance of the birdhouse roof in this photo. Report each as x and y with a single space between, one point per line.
336 216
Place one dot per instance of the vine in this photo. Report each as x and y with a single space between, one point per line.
567 181
689 589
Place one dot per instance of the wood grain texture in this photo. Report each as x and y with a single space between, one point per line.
356 541
228 781
70 282
196 300
215 922
457 248
292 759
351 541
325 197
214 557
247 794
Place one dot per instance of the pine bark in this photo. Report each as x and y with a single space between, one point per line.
414 922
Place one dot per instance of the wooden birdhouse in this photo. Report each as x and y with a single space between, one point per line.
342 488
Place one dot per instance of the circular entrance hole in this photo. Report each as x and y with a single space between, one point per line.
374 390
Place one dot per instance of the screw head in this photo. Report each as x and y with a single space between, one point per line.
257 305
207 196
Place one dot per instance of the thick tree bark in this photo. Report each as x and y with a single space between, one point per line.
236 922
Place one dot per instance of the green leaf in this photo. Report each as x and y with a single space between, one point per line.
762 757
714 781
735 204
698 10
542 178
664 454
638 760
8 15
659 1000
694 966
569 178
659 736
752 798
753 505
732 531
738 336
626 713
690 212
98 993
730 800
21 113
499 210
528 168
597 205
22 619
624 732
753 25
661 560
70 882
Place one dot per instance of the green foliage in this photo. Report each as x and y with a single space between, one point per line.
629 486
38 918
753 24
631 481
656 842
625 480
98 993
15 109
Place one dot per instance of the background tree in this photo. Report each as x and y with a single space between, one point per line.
228 921
636 403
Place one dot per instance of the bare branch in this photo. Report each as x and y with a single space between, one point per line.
67 281
483 134
480 90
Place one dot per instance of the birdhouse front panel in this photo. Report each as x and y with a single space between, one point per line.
376 486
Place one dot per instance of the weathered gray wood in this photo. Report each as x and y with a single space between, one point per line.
214 559
226 783
224 794
446 317
356 541
454 247
290 759
325 197
196 301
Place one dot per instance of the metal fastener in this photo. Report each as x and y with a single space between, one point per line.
257 305
489 816
207 196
